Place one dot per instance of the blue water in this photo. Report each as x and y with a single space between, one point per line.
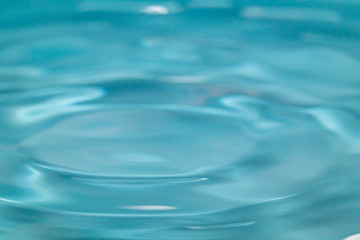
172 120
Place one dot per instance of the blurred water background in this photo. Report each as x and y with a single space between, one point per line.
192 119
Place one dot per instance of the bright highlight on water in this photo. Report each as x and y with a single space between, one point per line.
191 119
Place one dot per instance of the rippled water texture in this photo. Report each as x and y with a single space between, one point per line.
193 119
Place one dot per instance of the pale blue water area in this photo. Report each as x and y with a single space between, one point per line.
179 120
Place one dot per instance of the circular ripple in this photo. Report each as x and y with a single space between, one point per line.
140 143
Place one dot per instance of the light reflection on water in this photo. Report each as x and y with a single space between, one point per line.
179 119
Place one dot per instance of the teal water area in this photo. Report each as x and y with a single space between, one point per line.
172 120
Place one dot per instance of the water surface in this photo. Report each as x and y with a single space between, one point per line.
204 120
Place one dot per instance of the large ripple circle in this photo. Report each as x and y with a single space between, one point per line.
140 143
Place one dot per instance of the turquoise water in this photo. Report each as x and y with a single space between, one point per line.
162 120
